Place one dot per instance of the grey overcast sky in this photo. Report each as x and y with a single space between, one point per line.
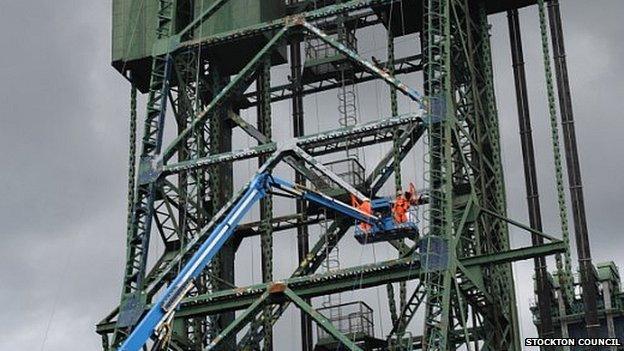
63 129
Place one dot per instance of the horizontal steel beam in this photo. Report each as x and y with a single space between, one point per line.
283 92
354 278
361 277
231 156
279 224
315 144
306 287
357 136
515 255
253 30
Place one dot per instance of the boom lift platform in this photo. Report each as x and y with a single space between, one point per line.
387 228
154 324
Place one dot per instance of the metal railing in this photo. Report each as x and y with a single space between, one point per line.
351 319
349 169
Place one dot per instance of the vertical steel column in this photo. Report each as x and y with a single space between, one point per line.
396 151
588 279
138 235
397 163
394 110
303 245
192 328
221 184
263 87
503 274
530 174
436 44
132 155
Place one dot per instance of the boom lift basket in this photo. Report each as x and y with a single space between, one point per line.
387 229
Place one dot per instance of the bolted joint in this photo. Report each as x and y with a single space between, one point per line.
434 253
436 109
150 169
277 287
131 309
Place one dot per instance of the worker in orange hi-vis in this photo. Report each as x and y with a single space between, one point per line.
400 208
364 206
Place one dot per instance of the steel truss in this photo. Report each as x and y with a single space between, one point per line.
460 269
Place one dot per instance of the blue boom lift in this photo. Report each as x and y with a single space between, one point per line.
162 310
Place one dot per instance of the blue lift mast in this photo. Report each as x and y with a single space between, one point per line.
163 309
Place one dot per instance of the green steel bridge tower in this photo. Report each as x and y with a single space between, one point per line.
205 66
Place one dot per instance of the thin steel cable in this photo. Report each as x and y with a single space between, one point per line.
57 295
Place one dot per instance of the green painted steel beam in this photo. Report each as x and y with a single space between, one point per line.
519 225
368 66
142 209
231 156
240 321
249 129
309 286
314 144
515 255
404 65
354 278
280 223
266 27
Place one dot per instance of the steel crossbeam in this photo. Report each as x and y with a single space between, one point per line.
399 66
324 12
316 144
360 277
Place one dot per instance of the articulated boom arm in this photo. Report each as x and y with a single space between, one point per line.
164 307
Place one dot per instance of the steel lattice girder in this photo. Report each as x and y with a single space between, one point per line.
400 66
361 277
319 144
326 11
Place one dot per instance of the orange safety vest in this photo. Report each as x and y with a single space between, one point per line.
364 206
400 208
